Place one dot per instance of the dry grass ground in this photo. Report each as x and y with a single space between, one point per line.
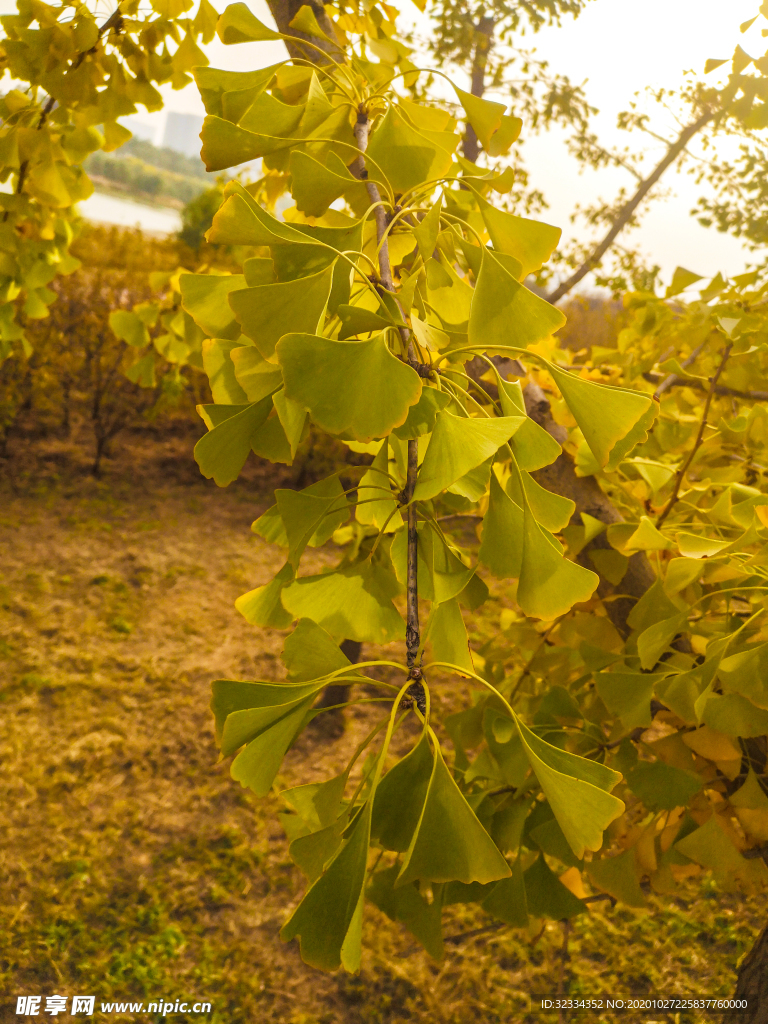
133 868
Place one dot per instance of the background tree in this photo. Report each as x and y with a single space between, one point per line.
484 41
76 77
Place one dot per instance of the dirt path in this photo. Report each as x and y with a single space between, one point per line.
131 866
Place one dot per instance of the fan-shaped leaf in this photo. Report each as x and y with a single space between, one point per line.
449 842
505 313
532 446
550 585
355 603
221 453
578 792
238 25
269 311
319 372
324 917
400 798
406 905
257 764
531 242
613 420
458 445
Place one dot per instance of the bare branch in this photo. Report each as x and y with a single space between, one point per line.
699 438
627 211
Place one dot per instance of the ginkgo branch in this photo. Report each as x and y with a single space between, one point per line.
699 438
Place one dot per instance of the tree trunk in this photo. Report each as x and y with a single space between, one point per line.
752 983
484 29
284 11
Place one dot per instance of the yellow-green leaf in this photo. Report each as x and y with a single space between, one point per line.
354 388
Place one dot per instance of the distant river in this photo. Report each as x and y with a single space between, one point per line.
110 210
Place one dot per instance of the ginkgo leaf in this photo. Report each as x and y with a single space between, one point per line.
532 445
305 515
507 899
613 420
421 416
407 157
654 640
550 510
681 279
377 505
317 373
315 186
255 376
264 703
441 574
312 853
238 25
501 140
505 313
662 786
501 549
495 129
310 652
269 311
240 221
257 764
578 791
129 327
734 715
228 94
355 603
405 904
457 446
627 695
263 606
546 896
400 798
249 709
427 230
204 296
318 803
711 846
531 242
356 320
618 877
647 538
221 453
269 441
448 636
323 918
550 585
447 294
272 528
449 842
219 367
293 419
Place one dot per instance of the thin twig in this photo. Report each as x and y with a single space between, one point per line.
758 851
672 378
701 385
699 437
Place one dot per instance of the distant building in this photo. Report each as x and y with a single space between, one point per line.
182 133
140 130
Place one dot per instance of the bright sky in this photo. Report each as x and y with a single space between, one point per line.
616 47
